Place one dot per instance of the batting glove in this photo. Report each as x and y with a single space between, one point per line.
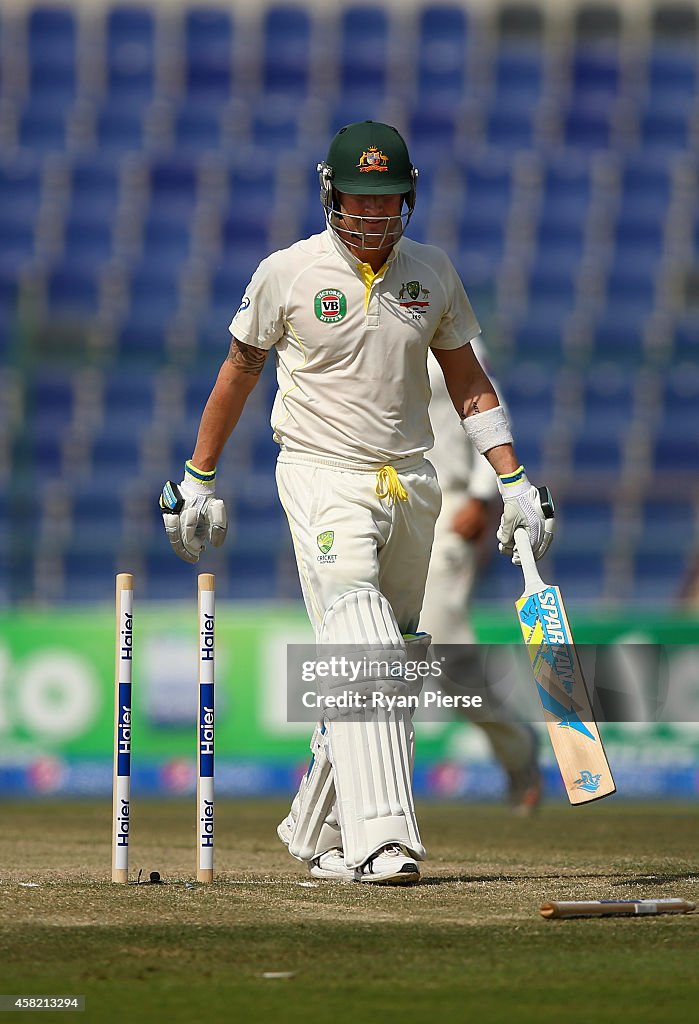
525 506
193 517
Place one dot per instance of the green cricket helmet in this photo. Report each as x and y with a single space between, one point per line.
368 158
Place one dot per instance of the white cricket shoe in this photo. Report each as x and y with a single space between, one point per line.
389 866
331 867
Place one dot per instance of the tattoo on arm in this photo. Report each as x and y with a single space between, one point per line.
246 357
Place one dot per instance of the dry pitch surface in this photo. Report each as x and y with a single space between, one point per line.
467 944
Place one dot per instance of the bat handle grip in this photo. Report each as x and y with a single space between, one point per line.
532 580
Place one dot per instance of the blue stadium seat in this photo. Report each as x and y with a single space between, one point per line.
166 241
607 402
119 126
665 126
130 53
16 239
20 184
673 454
115 455
174 182
441 54
584 526
51 53
566 187
154 294
94 187
488 182
286 59
253 574
686 339
580 579
646 186
518 75
481 233
559 244
619 336
73 291
587 125
364 51
42 126
90 507
658 577
639 239
597 457
88 575
258 517
529 392
167 577
667 525
87 241
128 396
680 408
539 338
208 34
264 451
141 341
51 401
672 71
275 125
596 71
510 128
552 287
630 289
430 131
197 126
9 291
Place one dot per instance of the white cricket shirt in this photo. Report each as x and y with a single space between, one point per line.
351 347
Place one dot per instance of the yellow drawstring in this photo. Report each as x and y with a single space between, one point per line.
389 486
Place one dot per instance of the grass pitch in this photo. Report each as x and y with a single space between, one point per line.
467 944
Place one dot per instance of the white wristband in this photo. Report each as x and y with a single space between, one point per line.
488 429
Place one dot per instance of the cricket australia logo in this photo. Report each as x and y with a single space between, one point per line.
330 305
588 781
372 159
325 542
414 297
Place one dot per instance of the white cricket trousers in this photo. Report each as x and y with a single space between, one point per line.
347 538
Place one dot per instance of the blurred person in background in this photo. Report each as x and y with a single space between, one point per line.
469 506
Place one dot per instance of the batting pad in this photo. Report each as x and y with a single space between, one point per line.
313 805
371 751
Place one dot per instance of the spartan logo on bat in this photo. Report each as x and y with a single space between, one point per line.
588 781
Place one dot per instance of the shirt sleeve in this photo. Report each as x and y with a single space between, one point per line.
458 325
259 320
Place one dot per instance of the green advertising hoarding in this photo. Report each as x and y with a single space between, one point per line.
57 674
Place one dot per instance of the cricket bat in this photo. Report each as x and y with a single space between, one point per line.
614 908
560 684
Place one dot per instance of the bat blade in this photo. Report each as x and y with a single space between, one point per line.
561 687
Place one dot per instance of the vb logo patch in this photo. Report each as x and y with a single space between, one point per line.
330 305
325 542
